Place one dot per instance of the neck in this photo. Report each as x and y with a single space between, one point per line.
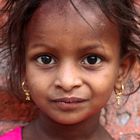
86 130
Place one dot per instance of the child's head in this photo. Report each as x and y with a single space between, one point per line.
71 54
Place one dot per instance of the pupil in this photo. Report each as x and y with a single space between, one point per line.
92 59
46 59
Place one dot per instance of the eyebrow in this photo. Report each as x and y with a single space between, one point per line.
92 47
83 48
38 45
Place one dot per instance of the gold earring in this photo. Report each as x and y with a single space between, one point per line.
118 94
26 92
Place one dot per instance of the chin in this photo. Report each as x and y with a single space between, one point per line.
68 122
69 119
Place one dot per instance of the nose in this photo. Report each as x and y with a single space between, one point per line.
68 78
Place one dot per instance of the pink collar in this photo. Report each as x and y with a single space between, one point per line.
15 134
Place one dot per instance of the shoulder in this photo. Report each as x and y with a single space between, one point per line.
12 135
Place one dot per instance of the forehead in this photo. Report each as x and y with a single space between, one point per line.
55 17
67 10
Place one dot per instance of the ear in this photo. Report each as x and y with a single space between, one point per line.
126 65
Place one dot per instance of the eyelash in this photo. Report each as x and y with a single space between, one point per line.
94 59
90 60
48 61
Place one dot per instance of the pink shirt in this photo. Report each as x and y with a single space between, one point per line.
13 135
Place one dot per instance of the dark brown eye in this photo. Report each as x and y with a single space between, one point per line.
45 59
92 59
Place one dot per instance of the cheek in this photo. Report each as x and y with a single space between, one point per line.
102 84
37 83
38 78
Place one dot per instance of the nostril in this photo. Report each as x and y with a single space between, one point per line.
68 85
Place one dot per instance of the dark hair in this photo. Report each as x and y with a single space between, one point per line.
19 13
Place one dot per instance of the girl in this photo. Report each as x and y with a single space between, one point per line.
67 56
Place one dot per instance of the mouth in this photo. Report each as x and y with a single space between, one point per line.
69 100
68 103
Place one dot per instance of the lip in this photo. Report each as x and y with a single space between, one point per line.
69 100
68 103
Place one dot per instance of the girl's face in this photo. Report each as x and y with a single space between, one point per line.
71 68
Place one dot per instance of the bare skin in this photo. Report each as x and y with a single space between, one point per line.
71 70
55 131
